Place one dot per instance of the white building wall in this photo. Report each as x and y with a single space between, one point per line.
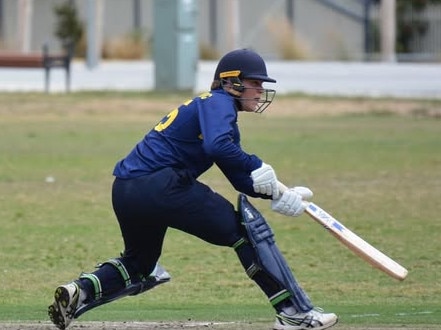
322 32
328 34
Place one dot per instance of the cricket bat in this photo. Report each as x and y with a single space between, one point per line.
355 243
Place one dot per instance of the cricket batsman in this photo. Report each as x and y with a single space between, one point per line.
156 186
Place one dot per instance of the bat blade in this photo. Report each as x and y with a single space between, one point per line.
356 244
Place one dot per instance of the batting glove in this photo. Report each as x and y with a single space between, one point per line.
305 192
291 202
265 181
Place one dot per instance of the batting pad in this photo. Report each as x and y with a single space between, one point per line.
270 259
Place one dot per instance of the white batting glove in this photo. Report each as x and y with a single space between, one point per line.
265 181
305 192
291 202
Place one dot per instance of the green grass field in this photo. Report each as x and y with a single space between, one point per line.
377 171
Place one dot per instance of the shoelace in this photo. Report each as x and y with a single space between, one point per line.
318 310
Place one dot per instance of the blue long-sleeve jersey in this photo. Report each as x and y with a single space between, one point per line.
194 136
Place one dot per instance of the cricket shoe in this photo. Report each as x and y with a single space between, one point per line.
314 319
159 274
68 298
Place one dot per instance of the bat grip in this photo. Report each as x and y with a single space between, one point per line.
282 187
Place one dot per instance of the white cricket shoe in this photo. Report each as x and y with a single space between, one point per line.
68 298
314 319
159 274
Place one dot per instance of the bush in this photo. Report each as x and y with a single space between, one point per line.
69 29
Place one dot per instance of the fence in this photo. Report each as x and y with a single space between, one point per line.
418 28
418 32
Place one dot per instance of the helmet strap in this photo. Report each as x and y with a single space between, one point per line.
233 86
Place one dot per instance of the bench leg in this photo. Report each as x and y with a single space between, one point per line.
67 77
46 78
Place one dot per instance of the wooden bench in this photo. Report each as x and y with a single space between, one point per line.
39 60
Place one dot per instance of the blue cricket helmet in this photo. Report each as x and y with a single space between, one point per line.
243 64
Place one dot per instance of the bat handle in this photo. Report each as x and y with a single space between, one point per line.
282 187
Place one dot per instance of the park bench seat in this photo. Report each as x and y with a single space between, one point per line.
38 60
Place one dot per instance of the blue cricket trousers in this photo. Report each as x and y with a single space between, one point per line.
147 205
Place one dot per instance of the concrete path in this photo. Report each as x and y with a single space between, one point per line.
410 80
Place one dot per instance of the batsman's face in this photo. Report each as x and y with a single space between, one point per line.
251 95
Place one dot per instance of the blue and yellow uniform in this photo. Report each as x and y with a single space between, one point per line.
156 187
193 137
156 184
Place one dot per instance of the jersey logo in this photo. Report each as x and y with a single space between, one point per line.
167 120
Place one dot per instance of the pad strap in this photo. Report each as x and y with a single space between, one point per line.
96 281
279 297
121 268
96 284
158 276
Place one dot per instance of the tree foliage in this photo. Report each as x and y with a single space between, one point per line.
69 28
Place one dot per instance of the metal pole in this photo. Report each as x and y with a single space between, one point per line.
290 11
233 10
25 9
213 23
1 20
367 29
137 15
94 28
388 30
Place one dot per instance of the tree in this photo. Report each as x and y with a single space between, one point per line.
69 29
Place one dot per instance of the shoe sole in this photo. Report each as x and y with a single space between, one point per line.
61 297
329 325
323 327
